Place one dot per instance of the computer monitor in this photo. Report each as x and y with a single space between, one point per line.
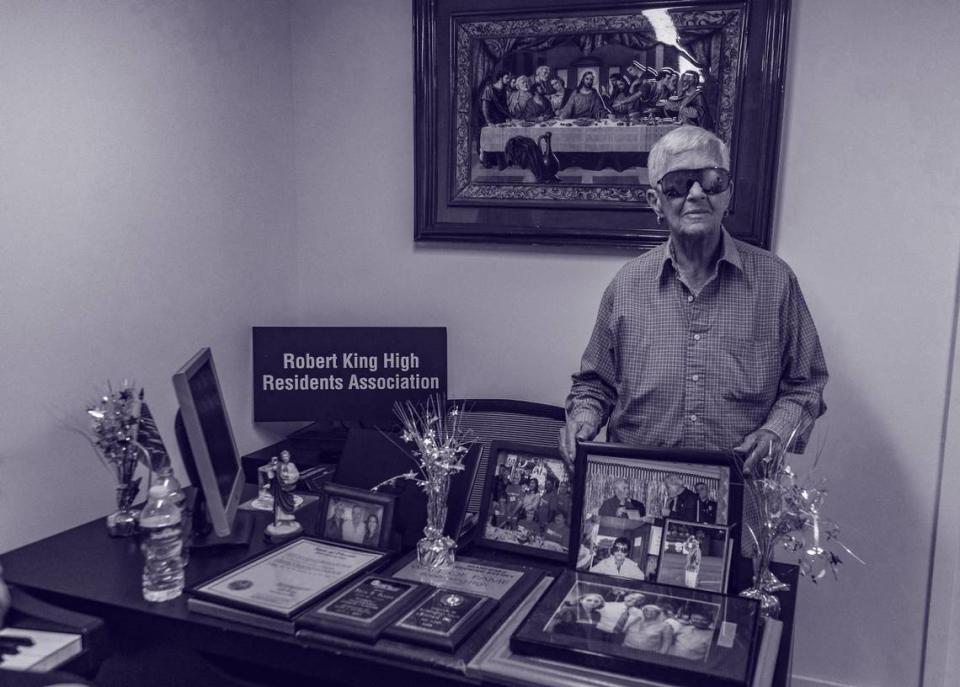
209 453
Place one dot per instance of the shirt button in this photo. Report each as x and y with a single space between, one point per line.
693 418
696 337
696 378
689 299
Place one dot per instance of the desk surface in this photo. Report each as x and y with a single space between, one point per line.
86 570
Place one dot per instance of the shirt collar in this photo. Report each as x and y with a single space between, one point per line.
728 253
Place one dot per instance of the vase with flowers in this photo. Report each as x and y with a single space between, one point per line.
439 445
114 423
789 516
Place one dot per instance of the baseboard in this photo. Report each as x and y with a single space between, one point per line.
804 681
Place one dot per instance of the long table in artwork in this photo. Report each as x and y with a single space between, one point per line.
566 137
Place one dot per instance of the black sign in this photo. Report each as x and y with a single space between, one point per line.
345 373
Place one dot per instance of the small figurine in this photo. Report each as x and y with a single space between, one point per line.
264 500
283 481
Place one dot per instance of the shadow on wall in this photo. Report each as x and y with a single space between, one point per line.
841 625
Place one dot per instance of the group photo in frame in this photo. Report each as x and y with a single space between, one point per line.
527 501
680 636
355 516
533 125
626 495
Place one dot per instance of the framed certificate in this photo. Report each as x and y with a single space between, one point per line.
365 608
443 619
287 579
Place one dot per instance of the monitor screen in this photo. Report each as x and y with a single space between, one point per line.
215 460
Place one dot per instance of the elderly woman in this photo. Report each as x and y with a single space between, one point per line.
704 341
650 632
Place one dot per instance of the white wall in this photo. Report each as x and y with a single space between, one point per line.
867 216
146 210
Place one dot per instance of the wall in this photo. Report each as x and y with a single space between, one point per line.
146 206
867 216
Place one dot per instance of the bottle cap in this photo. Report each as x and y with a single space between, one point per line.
158 491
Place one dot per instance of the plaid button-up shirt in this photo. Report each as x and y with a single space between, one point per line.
667 367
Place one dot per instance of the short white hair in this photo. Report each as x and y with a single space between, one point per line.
680 140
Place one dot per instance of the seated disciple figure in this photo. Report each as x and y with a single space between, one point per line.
620 505
538 107
543 77
651 632
618 563
560 94
688 105
622 101
517 100
493 99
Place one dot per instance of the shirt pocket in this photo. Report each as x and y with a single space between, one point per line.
750 369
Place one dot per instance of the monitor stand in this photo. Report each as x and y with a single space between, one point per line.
203 537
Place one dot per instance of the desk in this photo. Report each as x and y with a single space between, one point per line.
85 570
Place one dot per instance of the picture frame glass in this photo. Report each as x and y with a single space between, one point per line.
625 497
684 635
543 118
527 502
355 516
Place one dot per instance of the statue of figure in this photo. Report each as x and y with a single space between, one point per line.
264 500
283 481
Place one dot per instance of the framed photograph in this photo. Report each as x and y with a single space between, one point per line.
534 121
624 495
679 636
287 579
365 608
527 501
355 516
443 619
694 555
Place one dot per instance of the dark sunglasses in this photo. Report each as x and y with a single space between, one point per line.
620 547
677 184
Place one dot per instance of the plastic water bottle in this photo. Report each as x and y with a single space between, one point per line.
165 477
162 545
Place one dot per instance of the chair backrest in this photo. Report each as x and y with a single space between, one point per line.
536 424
